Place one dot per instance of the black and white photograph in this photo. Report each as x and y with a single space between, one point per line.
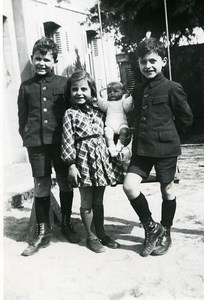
102 153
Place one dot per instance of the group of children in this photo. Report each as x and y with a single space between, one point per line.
68 125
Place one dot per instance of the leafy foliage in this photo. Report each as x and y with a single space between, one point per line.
132 19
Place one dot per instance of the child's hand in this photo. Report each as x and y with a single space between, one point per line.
73 176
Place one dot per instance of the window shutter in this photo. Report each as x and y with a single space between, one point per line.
67 41
58 41
95 47
41 31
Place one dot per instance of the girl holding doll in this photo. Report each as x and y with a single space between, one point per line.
85 152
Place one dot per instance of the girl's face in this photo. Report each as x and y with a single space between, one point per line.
80 92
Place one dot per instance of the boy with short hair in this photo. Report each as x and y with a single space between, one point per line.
41 107
160 107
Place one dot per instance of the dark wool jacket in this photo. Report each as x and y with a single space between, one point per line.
41 106
160 106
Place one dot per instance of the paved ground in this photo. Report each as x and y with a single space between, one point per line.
65 271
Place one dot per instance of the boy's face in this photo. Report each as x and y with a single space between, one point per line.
80 92
114 93
151 64
42 64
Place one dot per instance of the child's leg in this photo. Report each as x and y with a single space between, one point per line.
167 215
140 205
98 218
87 218
66 201
109 136
42 198
166 169
42 205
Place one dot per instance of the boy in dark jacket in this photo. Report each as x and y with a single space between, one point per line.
160 106
41 107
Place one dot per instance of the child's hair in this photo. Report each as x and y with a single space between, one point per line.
45 45
79 75
117 84
150 45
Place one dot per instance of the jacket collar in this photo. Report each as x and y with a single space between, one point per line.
156 80
47 77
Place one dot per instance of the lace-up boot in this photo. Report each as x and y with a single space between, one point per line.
153 231
41 240
163 243
68 230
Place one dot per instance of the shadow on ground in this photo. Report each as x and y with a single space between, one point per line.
18 228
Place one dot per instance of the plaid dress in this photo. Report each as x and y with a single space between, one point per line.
83 143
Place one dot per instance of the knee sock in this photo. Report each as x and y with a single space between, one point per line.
66 200
141 207
42 207
98 218
87 218
168 212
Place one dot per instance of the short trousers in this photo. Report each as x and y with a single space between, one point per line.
42 158
165 167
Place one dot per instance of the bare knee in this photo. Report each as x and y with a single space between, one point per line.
42 186
131 185
168 191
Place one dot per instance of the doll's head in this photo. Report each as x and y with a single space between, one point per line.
115 91
81 88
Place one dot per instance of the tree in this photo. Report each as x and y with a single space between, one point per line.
132 19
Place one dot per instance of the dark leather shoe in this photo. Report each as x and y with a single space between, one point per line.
41 240
69 232
163 243
153 231
95 245
108 242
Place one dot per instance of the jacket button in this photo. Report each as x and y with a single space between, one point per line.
44 88
44 109
146 95
144 107
44 98
45 121
143 119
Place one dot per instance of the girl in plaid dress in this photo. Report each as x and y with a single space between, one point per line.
84 150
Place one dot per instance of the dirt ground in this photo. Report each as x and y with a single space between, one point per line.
64 271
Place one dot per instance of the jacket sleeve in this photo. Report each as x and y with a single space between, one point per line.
181 109
68 153
22 110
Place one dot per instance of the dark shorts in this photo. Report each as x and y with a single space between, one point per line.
42 159
165 168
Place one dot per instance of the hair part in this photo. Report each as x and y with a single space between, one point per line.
45 45
150 45
80 75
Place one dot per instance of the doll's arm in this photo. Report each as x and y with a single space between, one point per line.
102 103
127 103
